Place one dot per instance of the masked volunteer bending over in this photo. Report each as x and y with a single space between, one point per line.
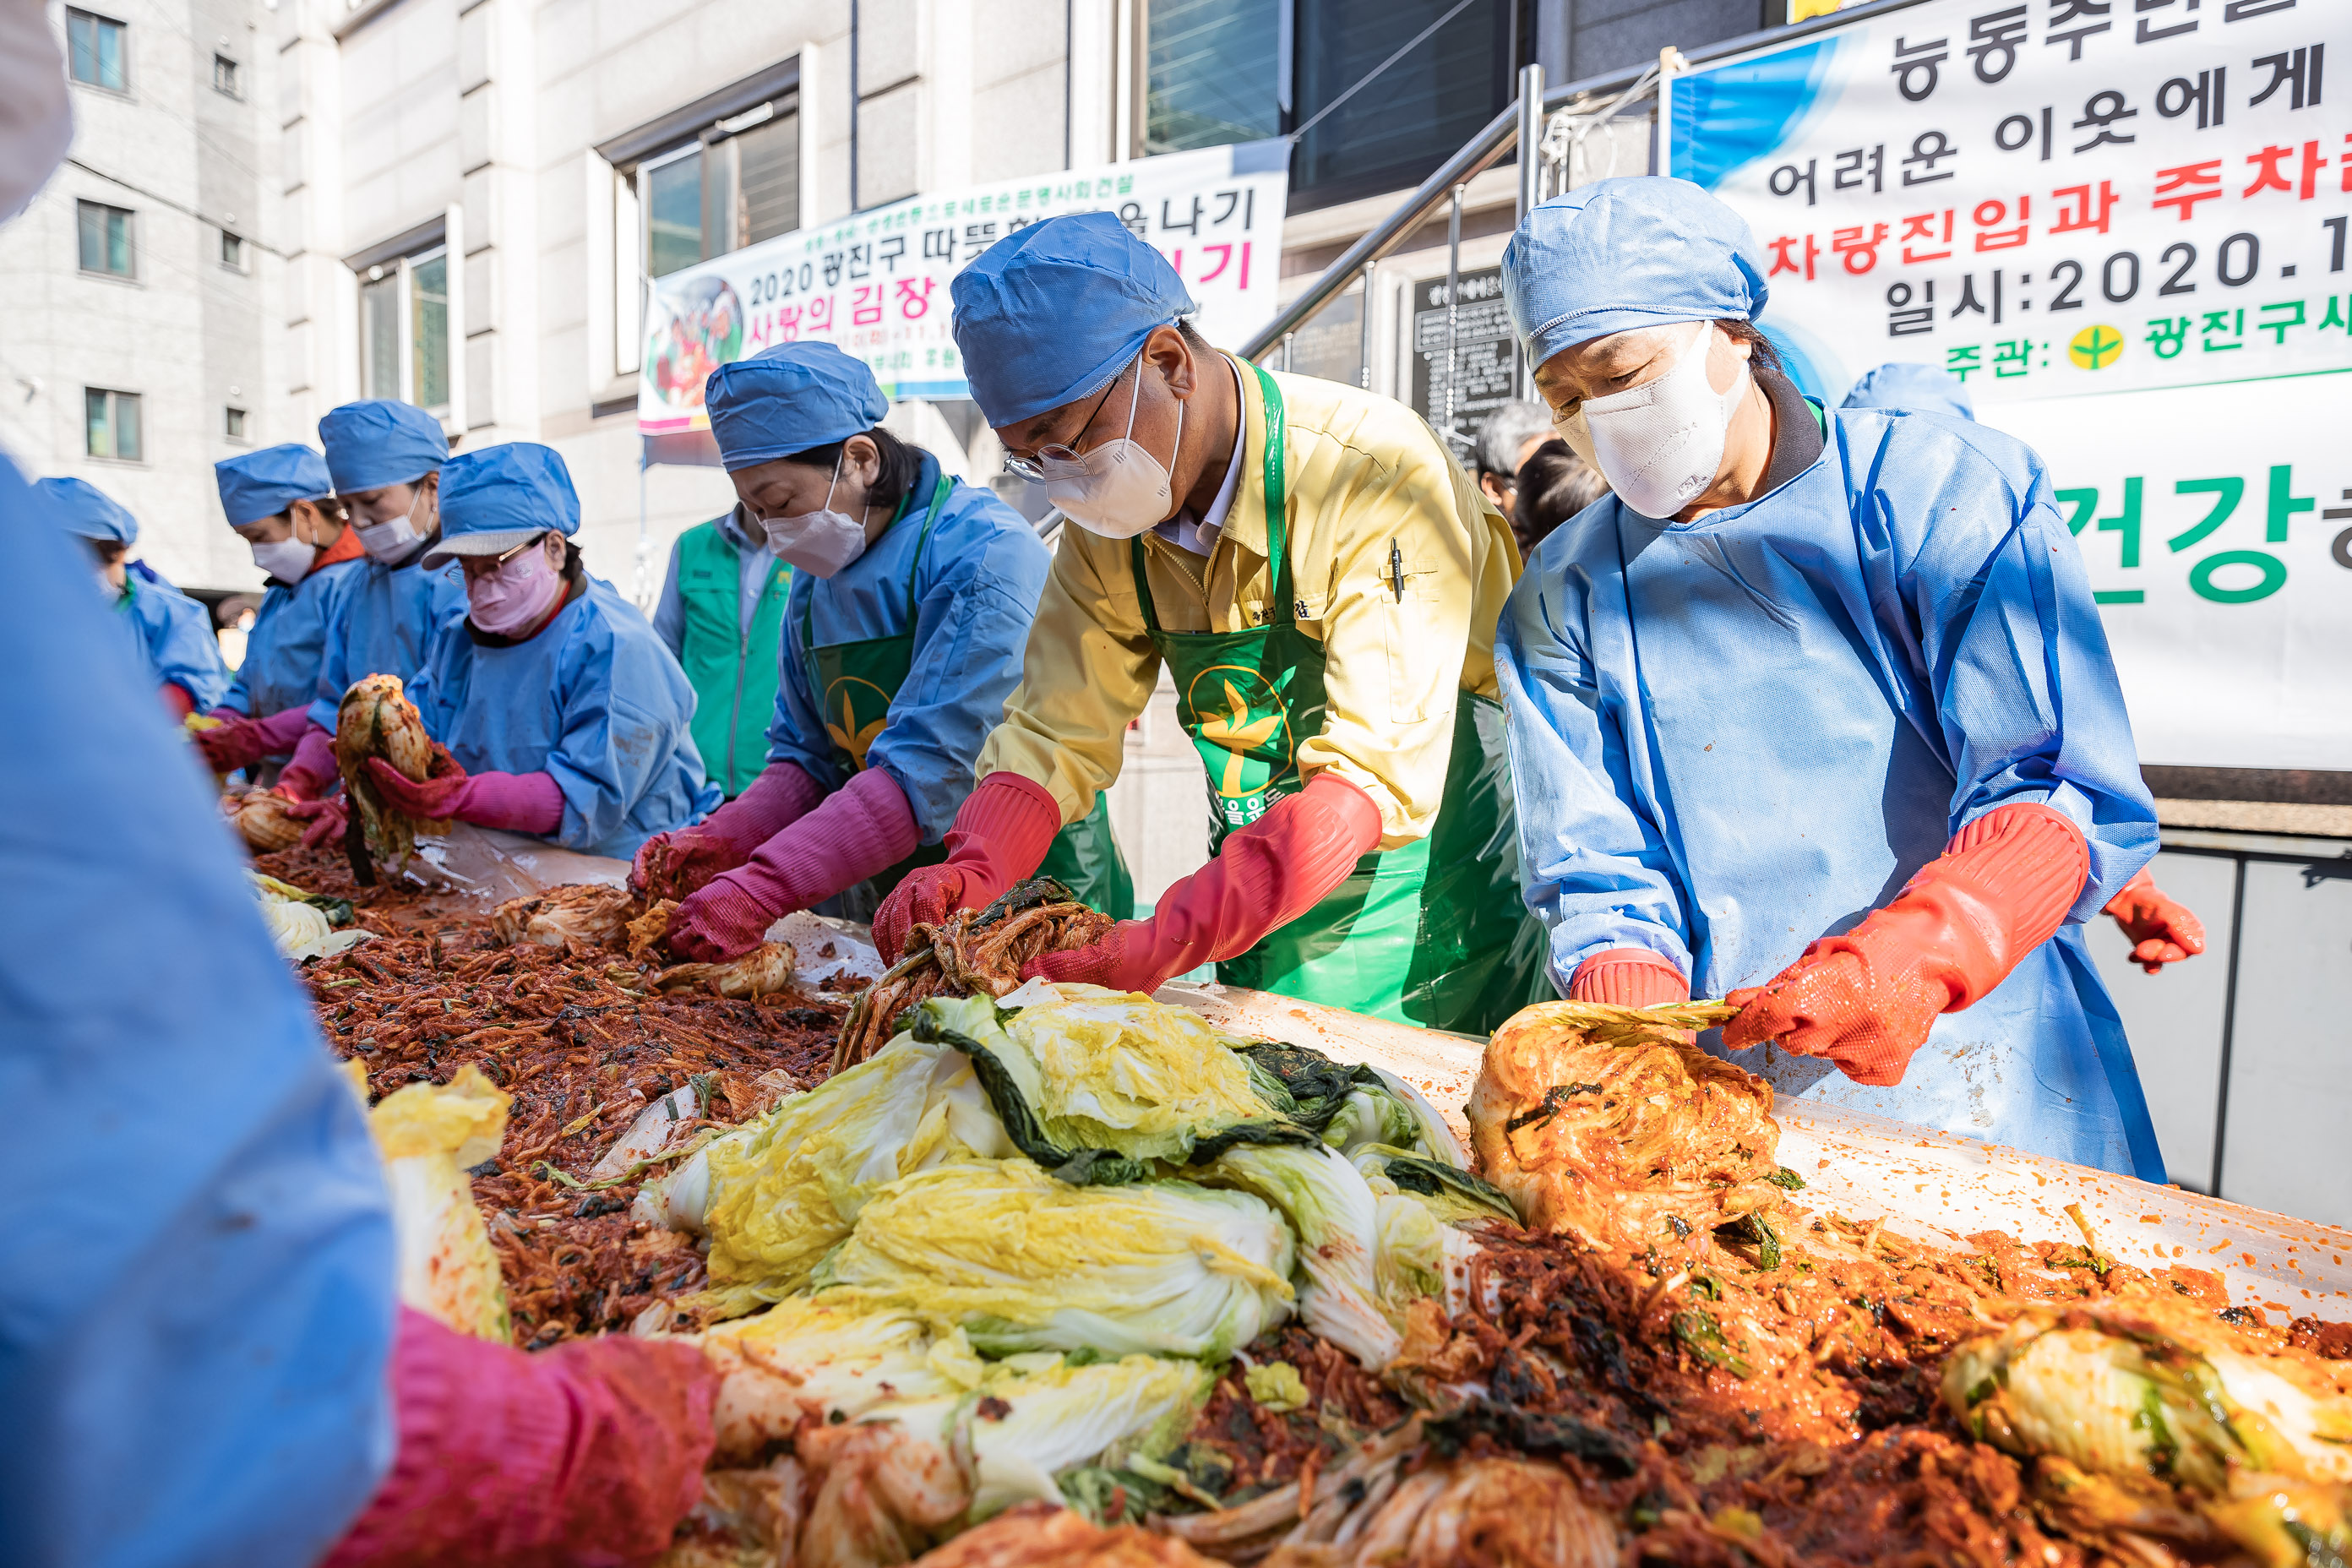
173 633
1319 577
1815 709
385 458
911 600
280 502
566 715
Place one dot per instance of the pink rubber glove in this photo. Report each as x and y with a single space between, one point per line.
520 802
1266 875
328 818
241 741
588 1454
2161 929
313 773
672 865
1866 1000
865 826
1629 977
1002 832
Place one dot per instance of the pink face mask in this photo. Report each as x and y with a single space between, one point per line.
514 595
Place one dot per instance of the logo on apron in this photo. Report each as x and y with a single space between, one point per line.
1242 729
844 697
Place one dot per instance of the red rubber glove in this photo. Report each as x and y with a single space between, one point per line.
241 741
313 773
178 702
587 1454
1629 977
1006 825
674 864
865 826
1866 1000
1265 876
2160 928
521 802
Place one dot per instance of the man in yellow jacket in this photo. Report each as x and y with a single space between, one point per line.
1322 580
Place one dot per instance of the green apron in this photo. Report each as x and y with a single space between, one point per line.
855 682
1432 933
733 672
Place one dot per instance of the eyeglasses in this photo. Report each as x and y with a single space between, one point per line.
1033 469
502 559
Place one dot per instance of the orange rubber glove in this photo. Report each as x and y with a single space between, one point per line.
1264 877
1002 832
2160 928
1866 1000
1629 977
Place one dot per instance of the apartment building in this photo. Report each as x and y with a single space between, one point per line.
141 339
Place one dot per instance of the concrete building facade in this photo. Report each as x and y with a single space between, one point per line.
143 284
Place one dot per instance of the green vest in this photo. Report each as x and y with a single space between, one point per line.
734 676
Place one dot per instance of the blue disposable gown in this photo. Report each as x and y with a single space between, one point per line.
197 1264
1732 736
975 593
283 650
173 634
381 620
594 699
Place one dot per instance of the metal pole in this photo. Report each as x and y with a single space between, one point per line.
1287 337
2229 1022
1364 370
1453 303
1497 136
1531 125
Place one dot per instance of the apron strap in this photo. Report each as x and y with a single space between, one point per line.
939 499
1276 518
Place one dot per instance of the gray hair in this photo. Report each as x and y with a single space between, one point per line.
1508 429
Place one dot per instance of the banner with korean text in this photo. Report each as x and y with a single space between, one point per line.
2122 224
875 284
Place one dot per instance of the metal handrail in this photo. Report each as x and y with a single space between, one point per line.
1501 135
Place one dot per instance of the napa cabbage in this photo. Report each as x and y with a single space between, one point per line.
774 1198
1329 1204
1022 1261
429 1134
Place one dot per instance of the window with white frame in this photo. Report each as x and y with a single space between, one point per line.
686 189
110 424
96 50
405 329
226 76
735 185
104 239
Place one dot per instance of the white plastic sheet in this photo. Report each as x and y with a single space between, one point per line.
1932 1186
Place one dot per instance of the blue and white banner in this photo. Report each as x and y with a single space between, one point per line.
2122 223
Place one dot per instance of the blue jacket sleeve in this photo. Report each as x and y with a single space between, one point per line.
621 729
196 1270
2026 692
184 648
334 640
670 610
797 733
1596 873
972 627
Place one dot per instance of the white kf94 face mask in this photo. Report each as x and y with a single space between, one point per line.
1661 444
1118 490
287 560
821 541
